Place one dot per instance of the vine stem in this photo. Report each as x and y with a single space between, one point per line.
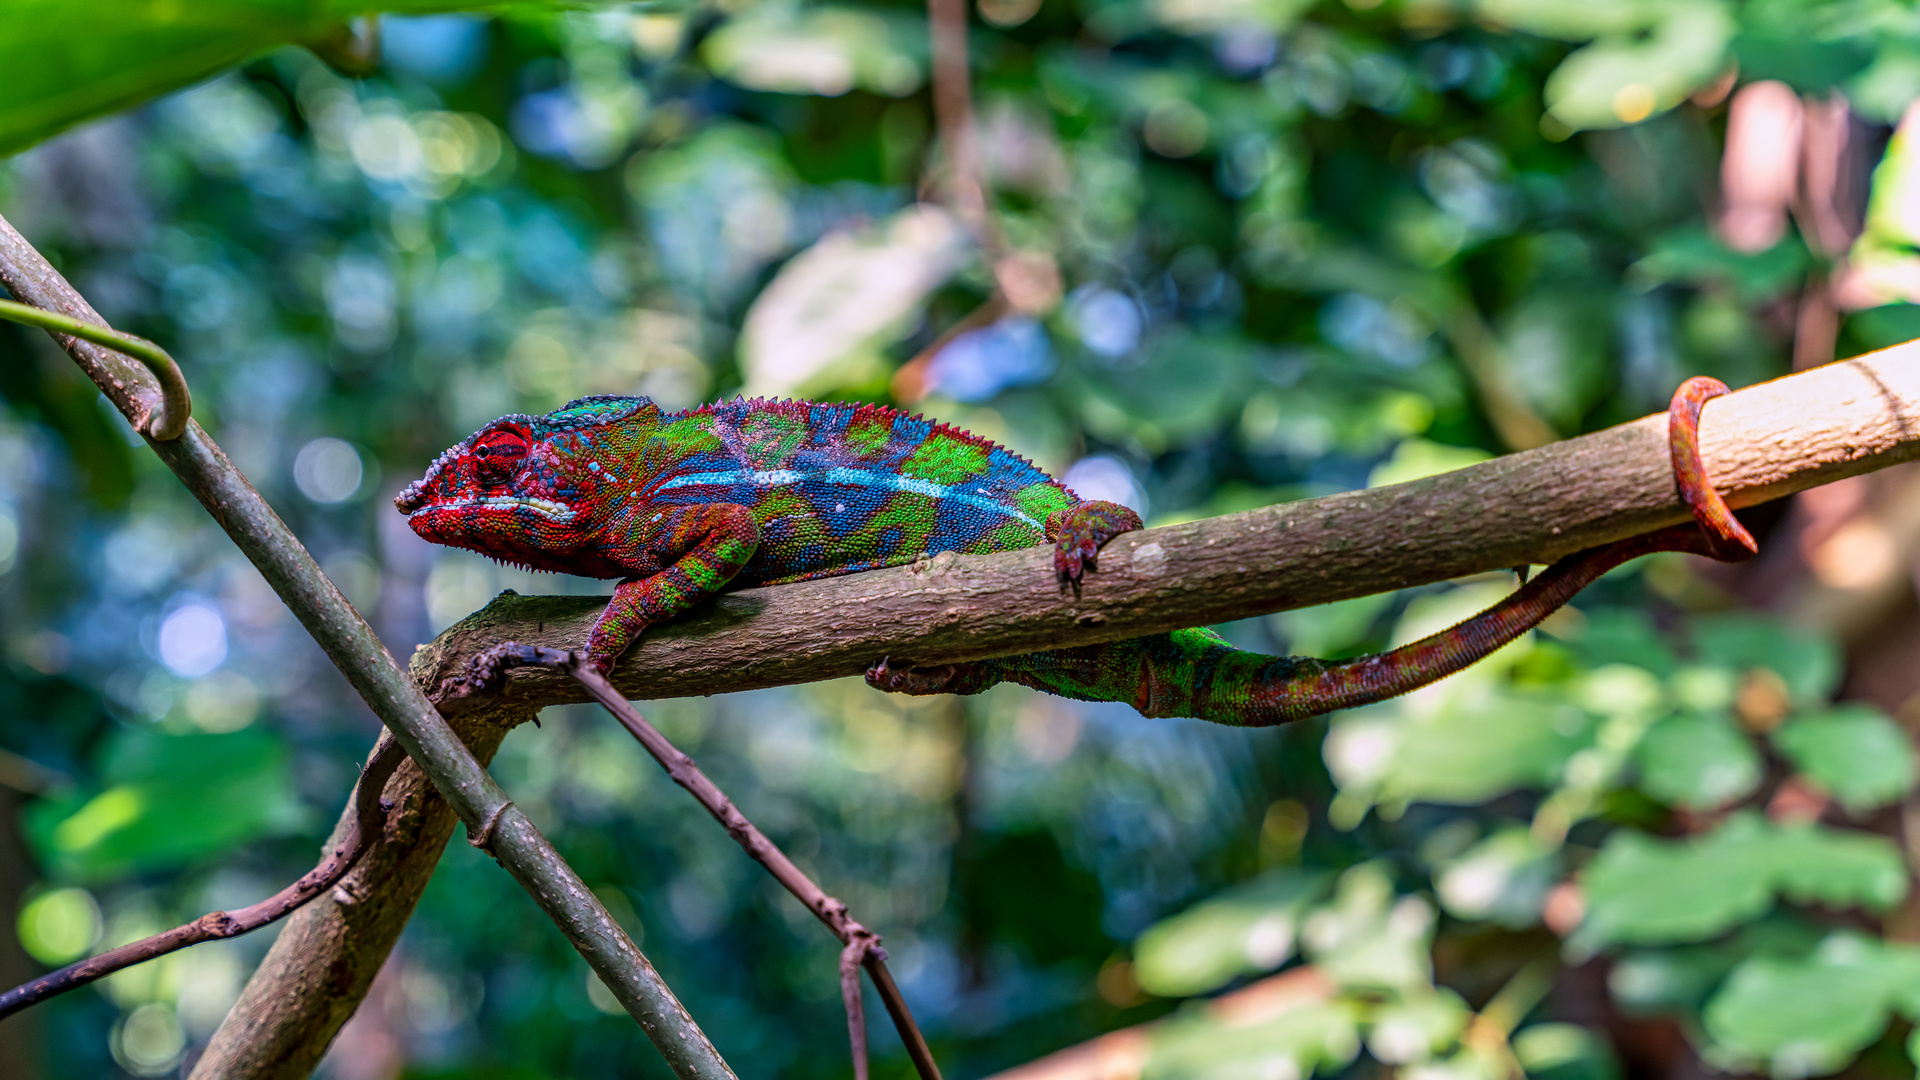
165 424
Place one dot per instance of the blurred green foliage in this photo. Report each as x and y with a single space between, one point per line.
1301 248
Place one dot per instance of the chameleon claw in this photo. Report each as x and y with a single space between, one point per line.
883 674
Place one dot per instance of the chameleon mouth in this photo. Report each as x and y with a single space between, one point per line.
559 513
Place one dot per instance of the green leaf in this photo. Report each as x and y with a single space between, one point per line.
168 800
821 50
1462 754
1811 1016
1697 761
1809 663
1248 929
1295 1043
1626 78
1692 255
1504 878
68 62
1418 1026
1368 936
1565 1052
1648 891
1855 752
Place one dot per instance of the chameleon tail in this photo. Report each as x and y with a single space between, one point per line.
1196 673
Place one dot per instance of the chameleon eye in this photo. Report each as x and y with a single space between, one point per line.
499 455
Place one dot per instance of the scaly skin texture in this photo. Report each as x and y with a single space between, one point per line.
752 492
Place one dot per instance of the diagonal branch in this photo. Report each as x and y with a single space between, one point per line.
354 648
1759 443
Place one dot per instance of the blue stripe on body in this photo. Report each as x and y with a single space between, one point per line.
847 477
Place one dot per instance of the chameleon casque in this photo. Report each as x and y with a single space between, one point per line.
679 505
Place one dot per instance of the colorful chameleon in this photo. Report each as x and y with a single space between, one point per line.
750 492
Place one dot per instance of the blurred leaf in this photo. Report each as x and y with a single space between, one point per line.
1810 663
825 50
1367 936
1698 761
818 324
1556 1051
1247 929
1693 255
1184 386
1889 324
1331 629
1620 635
1570 20
1416 459
1639 889
1416 1027
1855 752
1299 1042
1626 78
1463 754
68 62
1214 16
168 800
1809 1017
1504 879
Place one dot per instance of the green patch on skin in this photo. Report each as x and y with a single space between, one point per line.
1009 537
770 439
1039 499
680 439
869 436
912 513
946 460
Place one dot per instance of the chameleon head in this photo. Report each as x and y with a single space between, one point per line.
524 487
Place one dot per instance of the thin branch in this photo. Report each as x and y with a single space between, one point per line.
354 648
862 945
1760 443
368 814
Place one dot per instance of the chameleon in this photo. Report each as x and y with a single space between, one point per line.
681 505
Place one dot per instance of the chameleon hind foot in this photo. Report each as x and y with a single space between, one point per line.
486 670
1079 532
894 678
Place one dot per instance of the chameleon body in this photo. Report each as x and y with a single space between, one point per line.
679 505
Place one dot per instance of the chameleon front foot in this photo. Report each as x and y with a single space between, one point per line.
1079 532
902 678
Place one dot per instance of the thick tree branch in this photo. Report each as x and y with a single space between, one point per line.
1759 443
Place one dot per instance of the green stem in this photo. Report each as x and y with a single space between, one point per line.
176 406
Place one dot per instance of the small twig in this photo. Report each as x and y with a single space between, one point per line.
863 945
370 812
166 425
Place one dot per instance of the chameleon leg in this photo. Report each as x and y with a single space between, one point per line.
713 541
1079 532
1196 673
